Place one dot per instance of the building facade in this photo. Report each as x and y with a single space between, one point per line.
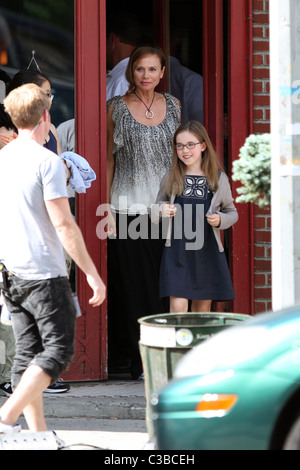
225 41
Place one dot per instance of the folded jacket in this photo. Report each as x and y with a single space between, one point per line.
82 174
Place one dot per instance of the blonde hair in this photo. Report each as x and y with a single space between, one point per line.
210 164
26 105
135 55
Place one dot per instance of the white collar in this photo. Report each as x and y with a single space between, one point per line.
120 65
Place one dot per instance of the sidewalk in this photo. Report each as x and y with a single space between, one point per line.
107 414
109 399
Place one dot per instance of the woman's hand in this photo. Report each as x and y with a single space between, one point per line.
111 224
168 210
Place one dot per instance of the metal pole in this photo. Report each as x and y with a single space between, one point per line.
285 138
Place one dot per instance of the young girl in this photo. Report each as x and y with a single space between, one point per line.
195 271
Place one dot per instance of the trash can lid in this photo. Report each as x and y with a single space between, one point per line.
184 329
192 319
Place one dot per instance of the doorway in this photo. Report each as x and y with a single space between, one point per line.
203 36
191 34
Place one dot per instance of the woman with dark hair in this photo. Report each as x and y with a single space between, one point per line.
41 80
140 127
8 130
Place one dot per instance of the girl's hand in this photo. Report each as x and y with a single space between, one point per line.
168 210
213 219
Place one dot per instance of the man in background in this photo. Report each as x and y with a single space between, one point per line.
122 35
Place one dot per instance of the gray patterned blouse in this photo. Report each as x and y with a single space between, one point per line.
143 154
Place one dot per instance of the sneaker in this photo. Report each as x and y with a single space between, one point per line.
60 443
58 387
8 428
6 389
139 377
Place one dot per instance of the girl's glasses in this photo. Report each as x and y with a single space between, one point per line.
189 145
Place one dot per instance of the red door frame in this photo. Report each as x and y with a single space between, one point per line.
213 73
213 81
90 361
240 125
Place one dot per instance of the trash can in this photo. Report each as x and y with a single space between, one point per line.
165 338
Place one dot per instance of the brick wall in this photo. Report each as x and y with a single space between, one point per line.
261 114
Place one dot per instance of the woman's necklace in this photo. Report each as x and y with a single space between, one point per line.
149 114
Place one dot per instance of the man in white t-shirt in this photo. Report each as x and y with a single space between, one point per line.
36 223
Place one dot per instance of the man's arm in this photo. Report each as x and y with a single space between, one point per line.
73 242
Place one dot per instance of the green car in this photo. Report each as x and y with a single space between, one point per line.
239 390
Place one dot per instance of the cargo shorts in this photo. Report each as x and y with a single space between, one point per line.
43 318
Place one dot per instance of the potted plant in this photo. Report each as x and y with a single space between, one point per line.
253 170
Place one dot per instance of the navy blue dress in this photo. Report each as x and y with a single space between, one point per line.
52 143
201 273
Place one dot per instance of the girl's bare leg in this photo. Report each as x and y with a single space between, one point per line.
178 305
201 305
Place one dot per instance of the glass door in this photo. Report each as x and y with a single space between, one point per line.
45 32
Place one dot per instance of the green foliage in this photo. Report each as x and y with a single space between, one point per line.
253 170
